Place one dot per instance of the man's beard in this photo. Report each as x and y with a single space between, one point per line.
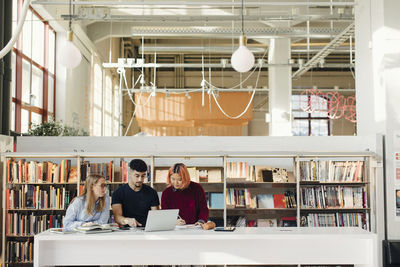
138 185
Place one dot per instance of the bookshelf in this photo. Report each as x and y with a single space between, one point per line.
265 190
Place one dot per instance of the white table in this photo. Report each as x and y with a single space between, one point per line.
244 246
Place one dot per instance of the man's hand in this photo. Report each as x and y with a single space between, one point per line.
132 222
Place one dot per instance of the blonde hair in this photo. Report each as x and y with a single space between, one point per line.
91 180
182 170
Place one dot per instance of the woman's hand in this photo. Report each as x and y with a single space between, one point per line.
180 222
208 225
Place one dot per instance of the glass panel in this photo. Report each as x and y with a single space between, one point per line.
36 118
50 99
300 128
13 70
107 125
96 122
52 44
295 102
26 81
24 120
116 111
27 35
37 87
12 124
319 127
108 95
319 114
98 86
38 40
116 126
300 114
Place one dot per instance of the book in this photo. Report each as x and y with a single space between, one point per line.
279 201
95 228
216 200
161 176
265 201
60 231
214 176
267 222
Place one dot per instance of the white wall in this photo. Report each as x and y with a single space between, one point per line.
200 144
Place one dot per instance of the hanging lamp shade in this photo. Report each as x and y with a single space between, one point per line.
242 59
70 54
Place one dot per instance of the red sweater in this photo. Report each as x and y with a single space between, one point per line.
190 201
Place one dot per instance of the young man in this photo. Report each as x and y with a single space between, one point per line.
132 201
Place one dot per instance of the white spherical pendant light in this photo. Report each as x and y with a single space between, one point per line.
70 56
242 59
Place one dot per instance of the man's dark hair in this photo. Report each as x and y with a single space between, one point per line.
138 165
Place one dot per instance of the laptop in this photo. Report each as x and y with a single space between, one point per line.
161 220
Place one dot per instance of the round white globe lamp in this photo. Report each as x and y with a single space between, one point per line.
71 56
242 59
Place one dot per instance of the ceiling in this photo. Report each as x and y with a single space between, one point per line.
212 28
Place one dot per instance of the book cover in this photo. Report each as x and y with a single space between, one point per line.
279 201
216 200
265 201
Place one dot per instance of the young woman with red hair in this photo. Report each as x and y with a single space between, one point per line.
185 195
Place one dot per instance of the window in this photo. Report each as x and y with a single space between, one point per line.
34 77
97 100
105 102
316 123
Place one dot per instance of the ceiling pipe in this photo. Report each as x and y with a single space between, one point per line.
182 91
208 18
212 65
194 3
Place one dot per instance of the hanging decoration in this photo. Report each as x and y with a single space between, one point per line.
333 103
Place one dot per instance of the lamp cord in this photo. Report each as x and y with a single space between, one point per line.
242 18
70 15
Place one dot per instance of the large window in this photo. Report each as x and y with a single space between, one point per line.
105 108
33 69
310 123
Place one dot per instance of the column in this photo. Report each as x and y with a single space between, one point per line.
280 88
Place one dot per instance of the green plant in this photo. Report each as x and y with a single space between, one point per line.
54 128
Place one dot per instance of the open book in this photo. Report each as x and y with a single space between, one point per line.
95 228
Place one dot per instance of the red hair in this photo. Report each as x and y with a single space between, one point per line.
180 169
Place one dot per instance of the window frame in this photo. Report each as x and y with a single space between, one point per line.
46 73
309 118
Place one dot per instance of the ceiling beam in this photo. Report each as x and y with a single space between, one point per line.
183 4
336 42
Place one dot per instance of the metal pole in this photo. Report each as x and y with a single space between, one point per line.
5 65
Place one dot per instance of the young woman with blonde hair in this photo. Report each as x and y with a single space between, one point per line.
92 206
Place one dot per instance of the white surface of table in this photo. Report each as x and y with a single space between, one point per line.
246 246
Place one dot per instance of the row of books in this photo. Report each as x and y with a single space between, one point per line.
331 171
29 224
19 252
22 171
258 173
33 197
243 198
197 174
333 197
272 222
337 220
